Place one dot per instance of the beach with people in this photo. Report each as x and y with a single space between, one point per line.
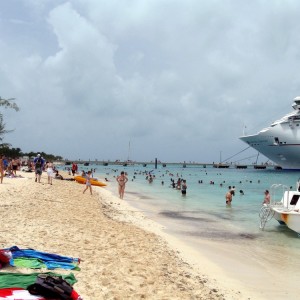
118 260
127 251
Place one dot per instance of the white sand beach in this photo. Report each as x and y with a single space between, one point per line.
123 254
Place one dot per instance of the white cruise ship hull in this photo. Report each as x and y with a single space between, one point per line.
281 141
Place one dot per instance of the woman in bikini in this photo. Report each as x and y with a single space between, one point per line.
122 179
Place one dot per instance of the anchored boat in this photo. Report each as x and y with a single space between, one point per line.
286 211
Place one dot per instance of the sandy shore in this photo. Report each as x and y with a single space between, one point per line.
120 260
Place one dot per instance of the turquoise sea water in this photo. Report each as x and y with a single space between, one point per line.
205 202
202 215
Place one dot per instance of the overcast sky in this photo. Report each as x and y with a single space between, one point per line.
178 79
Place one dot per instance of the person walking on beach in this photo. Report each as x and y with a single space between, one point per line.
228 197
38 166
267 198
1 169
122 179
88 182
49 169
74 169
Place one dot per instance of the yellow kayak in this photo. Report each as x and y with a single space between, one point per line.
94 181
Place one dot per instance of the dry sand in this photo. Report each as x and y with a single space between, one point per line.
120 259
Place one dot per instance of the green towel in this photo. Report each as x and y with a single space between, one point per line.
30 263
10 280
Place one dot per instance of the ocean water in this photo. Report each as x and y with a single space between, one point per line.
202 220
204 203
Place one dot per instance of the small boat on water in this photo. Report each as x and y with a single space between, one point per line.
260 167
221 166
241 166
286 211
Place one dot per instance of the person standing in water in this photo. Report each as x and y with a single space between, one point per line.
228 197
183 187
88 182
267 197
122 179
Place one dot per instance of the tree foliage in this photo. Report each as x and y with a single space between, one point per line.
6 103
17 152
9 103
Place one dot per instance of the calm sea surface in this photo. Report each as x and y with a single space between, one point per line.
204 204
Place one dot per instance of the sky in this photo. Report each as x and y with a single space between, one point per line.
176 80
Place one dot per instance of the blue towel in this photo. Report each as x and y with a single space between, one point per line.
52 261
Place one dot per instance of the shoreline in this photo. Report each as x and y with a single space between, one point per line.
119 260
242 273
201 265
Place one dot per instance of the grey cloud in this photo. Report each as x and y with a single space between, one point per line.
178 79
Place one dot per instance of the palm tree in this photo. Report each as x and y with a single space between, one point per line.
6 103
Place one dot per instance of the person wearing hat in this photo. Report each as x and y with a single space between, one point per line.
38 166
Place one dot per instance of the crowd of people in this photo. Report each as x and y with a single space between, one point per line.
10 166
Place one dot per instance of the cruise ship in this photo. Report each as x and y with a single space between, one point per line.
280 142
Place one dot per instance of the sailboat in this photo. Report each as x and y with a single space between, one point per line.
128 162
220 164
256 166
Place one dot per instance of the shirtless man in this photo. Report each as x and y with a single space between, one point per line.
229 197
122 179
14 166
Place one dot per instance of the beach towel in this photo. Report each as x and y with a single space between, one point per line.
19 294
36 263
19 280
51 260
22 294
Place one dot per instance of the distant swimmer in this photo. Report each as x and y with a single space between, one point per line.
122 179
150 180
183 187
242 192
